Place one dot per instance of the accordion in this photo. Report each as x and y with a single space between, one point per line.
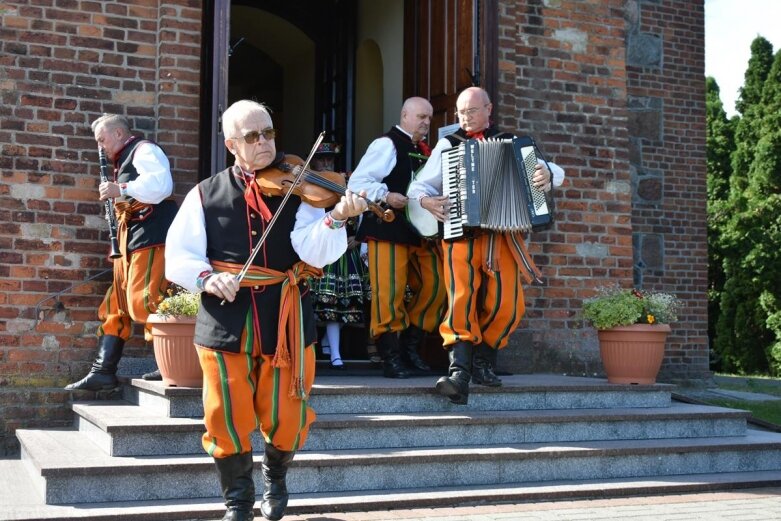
489 185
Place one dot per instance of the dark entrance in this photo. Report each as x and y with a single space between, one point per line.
343 67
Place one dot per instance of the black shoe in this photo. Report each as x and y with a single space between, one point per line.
483 363
392 367
238 488
103 374
409 343
275 496
455 386
339 366
154 375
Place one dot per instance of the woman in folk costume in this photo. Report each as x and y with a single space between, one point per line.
342 293
254 338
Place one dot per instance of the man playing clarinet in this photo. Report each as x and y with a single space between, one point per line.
484 270
141 189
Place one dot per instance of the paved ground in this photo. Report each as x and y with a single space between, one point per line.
748 505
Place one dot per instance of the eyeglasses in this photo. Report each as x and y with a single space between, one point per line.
253 136
469 112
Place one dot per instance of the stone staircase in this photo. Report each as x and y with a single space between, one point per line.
381 443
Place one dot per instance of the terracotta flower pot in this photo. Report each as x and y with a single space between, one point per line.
633 354
172 338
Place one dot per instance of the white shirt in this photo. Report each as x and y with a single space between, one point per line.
375 165
185 246
154 182
428 182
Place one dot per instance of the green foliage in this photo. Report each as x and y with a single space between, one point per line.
623 307
744 229
179 303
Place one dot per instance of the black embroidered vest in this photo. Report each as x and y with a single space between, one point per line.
147 227
232 230
399 230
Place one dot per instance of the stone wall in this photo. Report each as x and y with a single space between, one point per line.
613 92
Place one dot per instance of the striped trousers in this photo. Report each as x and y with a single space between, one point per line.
483 305
243 392
393 267
135 292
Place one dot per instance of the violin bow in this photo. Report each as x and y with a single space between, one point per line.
240 275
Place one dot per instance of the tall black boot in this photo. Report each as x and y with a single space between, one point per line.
388 344
103 375
409 343
275 464
456 385
483 363
238 488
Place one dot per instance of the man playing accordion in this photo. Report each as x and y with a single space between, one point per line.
484 270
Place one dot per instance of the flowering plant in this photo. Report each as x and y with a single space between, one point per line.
616 306
179 303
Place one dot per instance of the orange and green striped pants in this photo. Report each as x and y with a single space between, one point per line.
135 292
243 392
483 305
393 267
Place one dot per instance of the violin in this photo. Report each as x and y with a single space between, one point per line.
319 189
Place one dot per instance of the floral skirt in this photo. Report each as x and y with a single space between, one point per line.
341 294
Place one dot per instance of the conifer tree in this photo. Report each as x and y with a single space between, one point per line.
748 330
719 145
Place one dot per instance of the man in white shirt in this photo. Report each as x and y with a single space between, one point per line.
254 337
140 188
484 271
398 256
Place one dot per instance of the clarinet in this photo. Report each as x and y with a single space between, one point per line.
109 205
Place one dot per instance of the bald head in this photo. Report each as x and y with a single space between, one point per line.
474 109
416 117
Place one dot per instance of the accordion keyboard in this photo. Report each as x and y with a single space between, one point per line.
454 188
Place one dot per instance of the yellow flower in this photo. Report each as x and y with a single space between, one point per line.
651 319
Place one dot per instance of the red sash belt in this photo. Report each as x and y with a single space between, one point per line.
290 332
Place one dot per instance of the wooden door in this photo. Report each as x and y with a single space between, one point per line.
448 46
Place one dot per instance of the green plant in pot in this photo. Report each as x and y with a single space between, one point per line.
632 327
173 329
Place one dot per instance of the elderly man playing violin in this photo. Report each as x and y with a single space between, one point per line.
254 336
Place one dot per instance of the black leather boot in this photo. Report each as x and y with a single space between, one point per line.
483 363
388 345
456 385
409 343
238 488
103 375
275 464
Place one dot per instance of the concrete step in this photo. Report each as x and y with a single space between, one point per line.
20 502
371 395
68 468
122 429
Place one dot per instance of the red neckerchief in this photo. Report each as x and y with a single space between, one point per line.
424 148
252 195
475 135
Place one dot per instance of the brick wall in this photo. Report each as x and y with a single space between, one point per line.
614 92
666 101
62 64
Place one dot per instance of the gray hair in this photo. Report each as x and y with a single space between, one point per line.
111 121
241 109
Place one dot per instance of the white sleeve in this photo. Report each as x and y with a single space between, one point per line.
375 165
185 245
317 244
429 179
154 182
558 174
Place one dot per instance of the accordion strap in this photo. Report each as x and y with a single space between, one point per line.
517 245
